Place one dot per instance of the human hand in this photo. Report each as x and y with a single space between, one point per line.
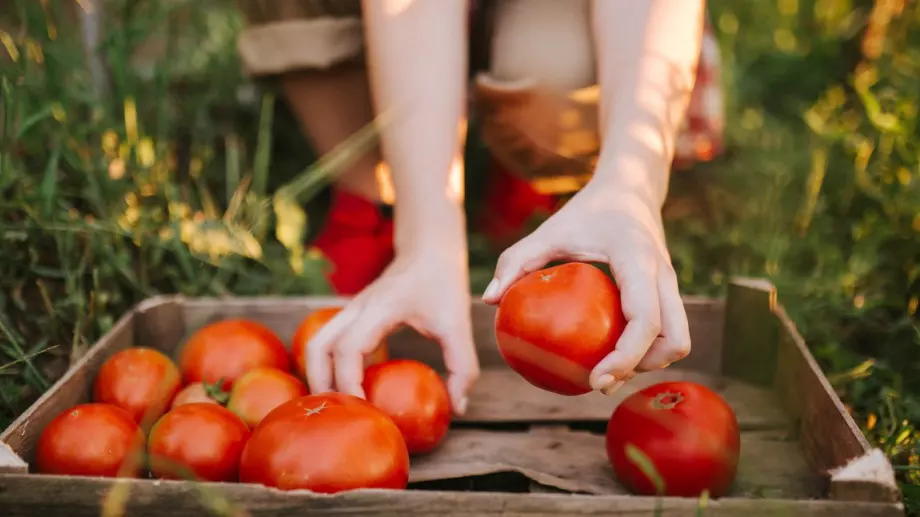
427 290
610 223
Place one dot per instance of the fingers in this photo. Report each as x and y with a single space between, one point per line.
462 366
359 339
638 285
674 342
515 262
319 349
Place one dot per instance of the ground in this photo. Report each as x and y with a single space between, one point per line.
157 180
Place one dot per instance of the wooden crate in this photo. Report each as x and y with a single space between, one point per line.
519 450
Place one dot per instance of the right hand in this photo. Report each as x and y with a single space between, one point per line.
425 289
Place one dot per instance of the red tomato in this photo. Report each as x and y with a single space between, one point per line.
554 325
326 443
224 351
261 390
689 434
414 396
91 440
200 392
142 381
310 326
200 441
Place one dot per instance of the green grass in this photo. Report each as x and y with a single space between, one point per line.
162 185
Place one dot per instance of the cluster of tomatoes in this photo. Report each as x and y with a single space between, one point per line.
230 409
675 438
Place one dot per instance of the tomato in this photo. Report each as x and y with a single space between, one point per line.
414 396
200 441
326 443
685 430
310 326
91 440
554 325
225 350
261 390
201 392
142 381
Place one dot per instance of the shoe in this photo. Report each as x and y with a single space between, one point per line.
357 240
510 204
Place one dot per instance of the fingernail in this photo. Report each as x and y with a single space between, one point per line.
605 381
461 406
491 290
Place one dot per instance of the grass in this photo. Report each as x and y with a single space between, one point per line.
157 181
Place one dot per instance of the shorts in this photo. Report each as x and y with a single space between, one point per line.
534 95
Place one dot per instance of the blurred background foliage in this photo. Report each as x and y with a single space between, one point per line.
174 173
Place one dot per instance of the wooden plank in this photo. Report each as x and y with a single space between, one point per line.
55 496
10 462
771 464
751 332
490 402
74 387
830 437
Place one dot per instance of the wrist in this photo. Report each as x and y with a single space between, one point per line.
437 227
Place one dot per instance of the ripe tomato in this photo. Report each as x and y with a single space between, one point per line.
414 396
142 381
554 325
686 430
261 390
326 443
201 441
201 392
310 326
225 350
91 440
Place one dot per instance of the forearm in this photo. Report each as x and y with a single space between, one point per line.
417 63
647 54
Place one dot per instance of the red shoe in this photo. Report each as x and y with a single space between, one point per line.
357 240
510 204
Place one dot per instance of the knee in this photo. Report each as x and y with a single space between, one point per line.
545 41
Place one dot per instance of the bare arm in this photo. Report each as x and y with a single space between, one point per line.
647 55
417 64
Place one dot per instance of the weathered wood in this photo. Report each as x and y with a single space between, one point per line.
755 408
751 332
830 438
542 460
21 496
771 464
73 388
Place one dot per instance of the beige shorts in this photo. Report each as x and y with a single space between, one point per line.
536 102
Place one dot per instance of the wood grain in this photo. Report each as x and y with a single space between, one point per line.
756 408
770 465
21 496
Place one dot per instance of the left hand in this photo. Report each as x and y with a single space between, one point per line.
611 223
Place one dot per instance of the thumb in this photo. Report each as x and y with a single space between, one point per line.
526 256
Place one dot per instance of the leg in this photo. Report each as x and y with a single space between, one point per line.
330 106
315 48
541 52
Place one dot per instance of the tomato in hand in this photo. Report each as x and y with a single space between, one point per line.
414 396
201 392
225 350
326 443
554 325
91 440
259 391
686 431
310 326
142 381
198 441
